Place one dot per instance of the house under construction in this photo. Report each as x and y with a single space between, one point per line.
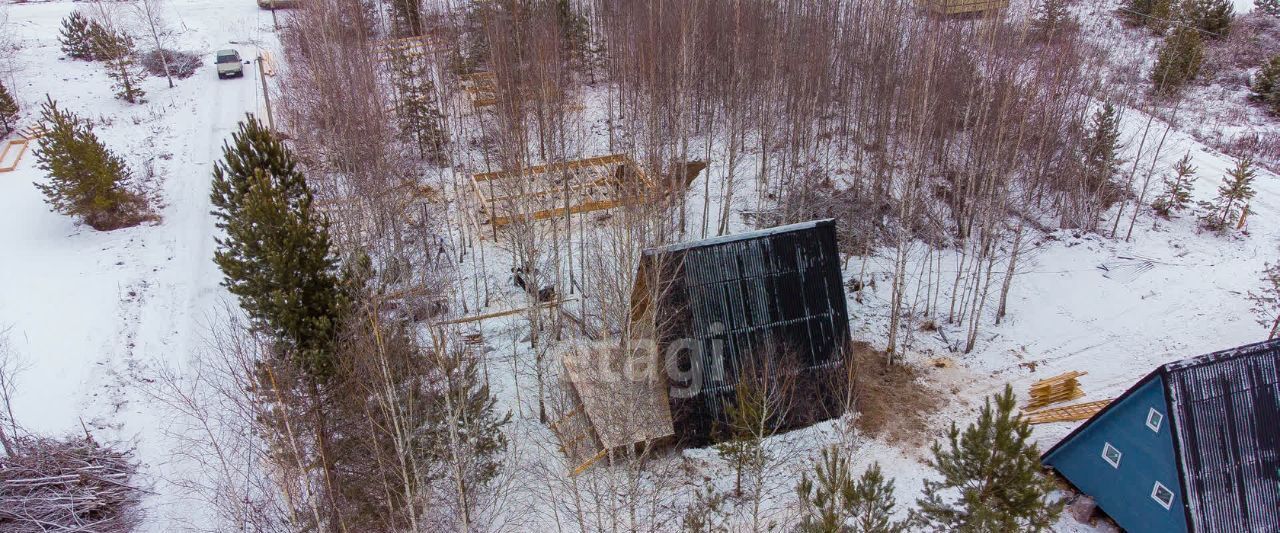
558 189
708 318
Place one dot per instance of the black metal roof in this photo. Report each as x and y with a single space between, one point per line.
1225 417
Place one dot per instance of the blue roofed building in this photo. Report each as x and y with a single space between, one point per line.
1193 446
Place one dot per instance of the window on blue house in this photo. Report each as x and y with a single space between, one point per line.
1162 495
1154 418
1111 455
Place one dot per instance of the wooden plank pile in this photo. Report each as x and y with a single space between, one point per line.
13 150
1061 388
71 485
1057 389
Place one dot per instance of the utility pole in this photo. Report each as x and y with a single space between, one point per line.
266 95
275 23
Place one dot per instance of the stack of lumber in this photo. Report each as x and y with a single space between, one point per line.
1057 389
1066 413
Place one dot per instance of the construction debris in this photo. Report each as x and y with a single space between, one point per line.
1067 413
1057 389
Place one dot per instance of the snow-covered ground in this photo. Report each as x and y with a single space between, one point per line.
88 308
90 312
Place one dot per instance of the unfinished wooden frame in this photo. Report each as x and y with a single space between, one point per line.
558 189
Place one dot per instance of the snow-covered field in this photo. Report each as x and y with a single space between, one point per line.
90 312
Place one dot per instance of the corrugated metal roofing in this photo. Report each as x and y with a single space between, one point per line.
1226 417
740 296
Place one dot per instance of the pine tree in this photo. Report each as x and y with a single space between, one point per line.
1213 17
77 36
1234 194
1266 84
421 121
1270 7
465 420
1177 188
991 477
1153 14
1101 157
741 439
406 15
1051 19
573 32
836 499
117 49
1266 304
275 254
85 178
8 110
1179 61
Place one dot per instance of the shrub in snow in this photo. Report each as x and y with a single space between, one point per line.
1213 17
1266 84
78 36
1270 7
86 179
1051 19
1179 61
833 501
182 65
8 110
1153 14
991 476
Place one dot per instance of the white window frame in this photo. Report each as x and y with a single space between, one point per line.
1155 489
1105 457
1159 420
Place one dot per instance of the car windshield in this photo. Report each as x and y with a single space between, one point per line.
228 58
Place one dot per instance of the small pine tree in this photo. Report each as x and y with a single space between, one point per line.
704 515
1212 17
421 121
742 439
1101 157
991 476
406 17
8 110
77 36
1153 14
1179 61
836 499
1269 7
1231 205
85 178
1177 188
1266 84
1051 19
117 49
464 420
1266 304
275 254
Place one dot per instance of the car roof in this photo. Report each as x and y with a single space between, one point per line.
227 51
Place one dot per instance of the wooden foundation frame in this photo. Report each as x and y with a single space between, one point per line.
595 184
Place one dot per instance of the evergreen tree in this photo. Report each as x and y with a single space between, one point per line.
275 254
1270 7
573 32
465 420
1153 14
421 121
78 36
836 499
1266 84
1051 19
742 438
1234 194
85 178
1179 61
117 49
1177 188
1213 17
406 15
704 515
991 477
8 110
1101 157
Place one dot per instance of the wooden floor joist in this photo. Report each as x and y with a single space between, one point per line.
1066 413
498 314
559 189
